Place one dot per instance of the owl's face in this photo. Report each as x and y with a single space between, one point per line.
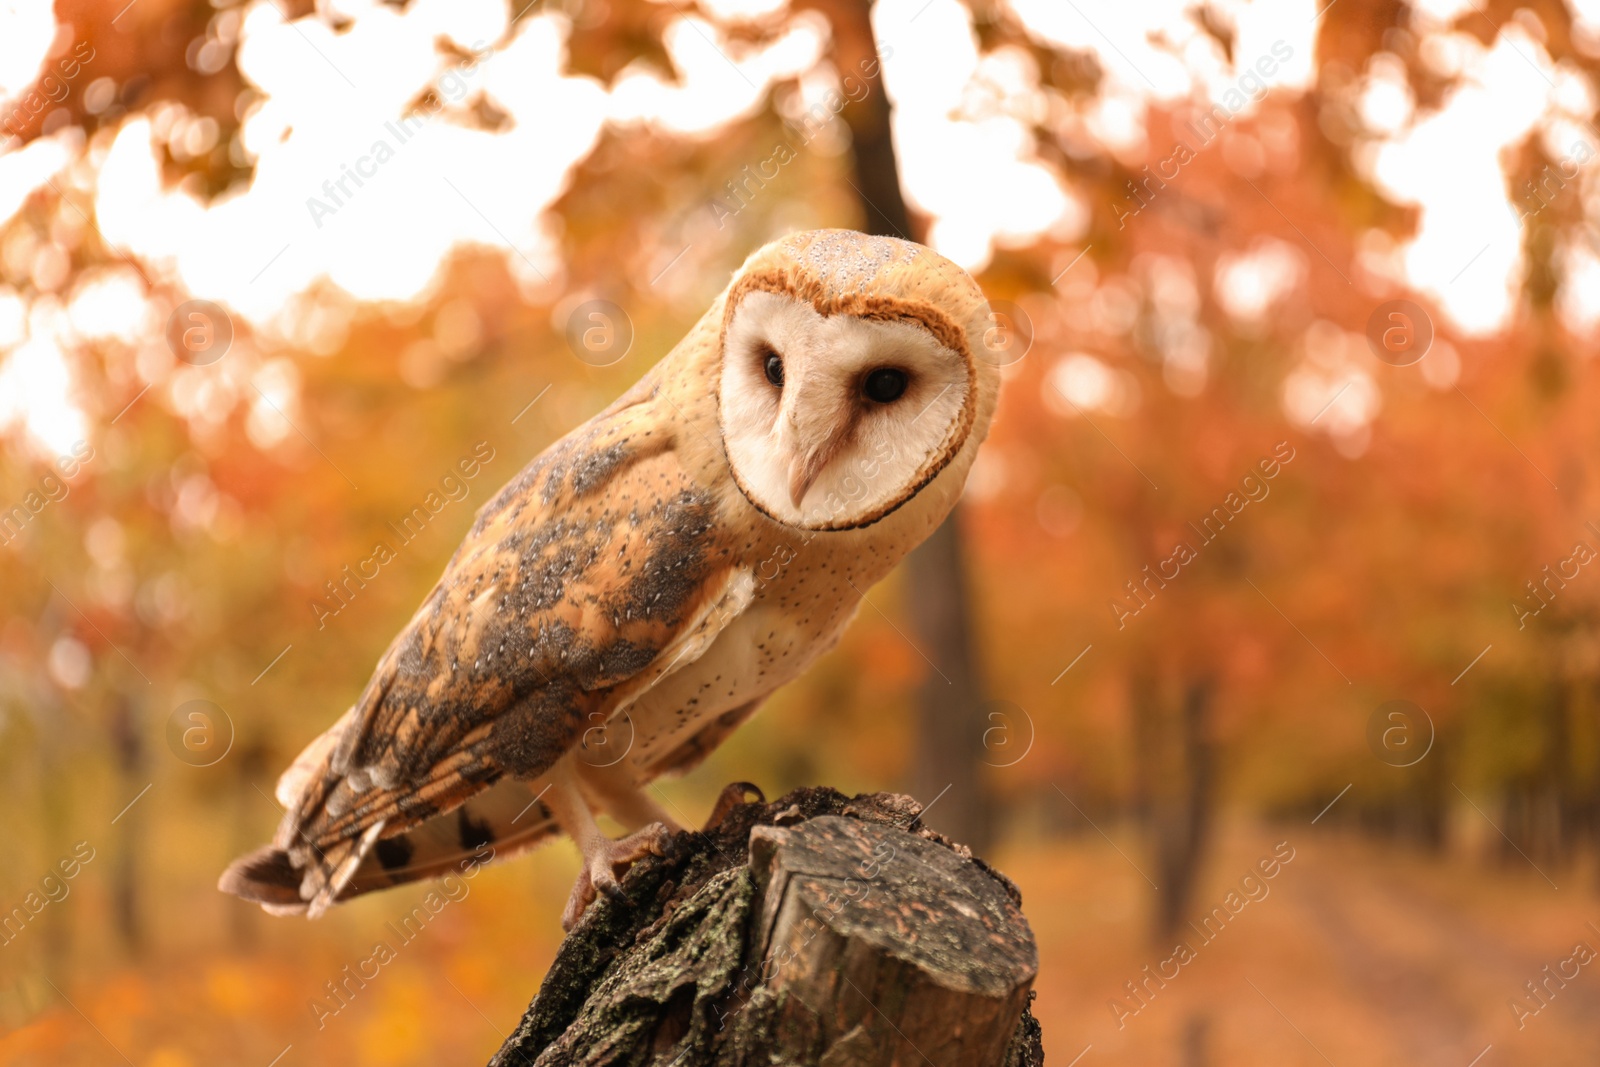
831 421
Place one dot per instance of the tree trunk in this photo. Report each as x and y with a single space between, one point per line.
1173 760
125 733
817 929
951 727
250 765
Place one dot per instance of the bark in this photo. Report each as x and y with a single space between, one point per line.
814 930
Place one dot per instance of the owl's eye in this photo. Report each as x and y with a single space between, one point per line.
885 385
773 366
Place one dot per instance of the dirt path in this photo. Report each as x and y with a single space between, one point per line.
1439 976
1362 956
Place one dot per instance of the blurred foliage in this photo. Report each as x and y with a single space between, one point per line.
186 558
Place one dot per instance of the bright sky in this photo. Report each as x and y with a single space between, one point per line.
26 29
1467 253
341 193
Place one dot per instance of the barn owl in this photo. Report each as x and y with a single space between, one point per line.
651 578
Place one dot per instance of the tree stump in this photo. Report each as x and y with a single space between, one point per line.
814 930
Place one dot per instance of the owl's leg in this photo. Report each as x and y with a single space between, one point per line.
616 788
602 857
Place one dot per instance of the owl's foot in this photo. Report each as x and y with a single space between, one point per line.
601 863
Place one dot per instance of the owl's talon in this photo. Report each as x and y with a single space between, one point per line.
733 795
600 867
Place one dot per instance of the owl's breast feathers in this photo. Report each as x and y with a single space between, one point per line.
598 569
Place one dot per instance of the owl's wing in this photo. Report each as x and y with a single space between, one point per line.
593 574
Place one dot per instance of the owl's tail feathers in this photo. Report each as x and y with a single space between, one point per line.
267 877
299 880
503 820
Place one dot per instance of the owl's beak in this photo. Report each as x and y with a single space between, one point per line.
809 463
813 428
804 470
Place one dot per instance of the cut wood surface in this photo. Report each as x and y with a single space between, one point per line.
816 929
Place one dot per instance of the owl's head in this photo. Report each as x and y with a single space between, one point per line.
852 377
